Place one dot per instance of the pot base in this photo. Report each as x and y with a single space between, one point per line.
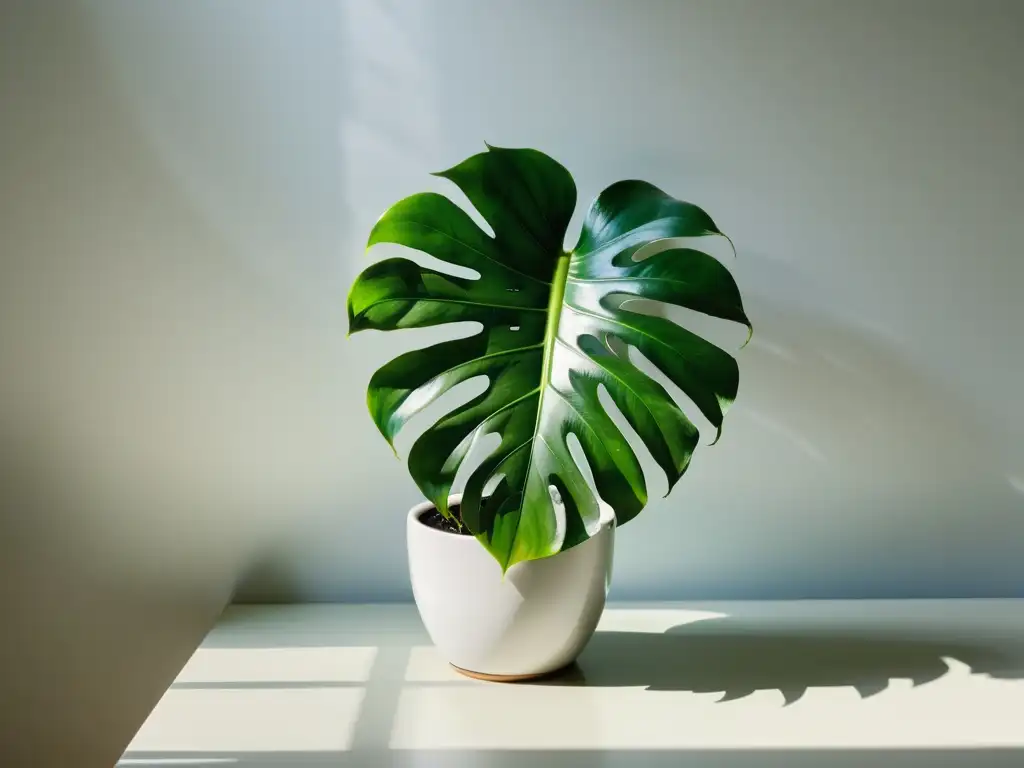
512 678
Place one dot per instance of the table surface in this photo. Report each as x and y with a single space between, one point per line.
782 684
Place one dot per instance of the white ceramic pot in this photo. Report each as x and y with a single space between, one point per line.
534 621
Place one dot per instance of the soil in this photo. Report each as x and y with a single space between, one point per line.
434 519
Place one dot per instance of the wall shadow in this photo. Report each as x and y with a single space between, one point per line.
842 441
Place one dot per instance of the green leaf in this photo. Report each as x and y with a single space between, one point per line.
554 331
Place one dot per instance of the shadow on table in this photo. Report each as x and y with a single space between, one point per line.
738 658
733 655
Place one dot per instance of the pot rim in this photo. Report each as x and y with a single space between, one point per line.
607 519
425 506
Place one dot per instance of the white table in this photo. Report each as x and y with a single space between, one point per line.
823 684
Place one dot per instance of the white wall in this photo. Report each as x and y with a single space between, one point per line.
185 189
866 157
188 186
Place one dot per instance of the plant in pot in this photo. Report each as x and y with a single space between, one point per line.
510 576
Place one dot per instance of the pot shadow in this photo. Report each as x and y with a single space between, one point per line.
737 659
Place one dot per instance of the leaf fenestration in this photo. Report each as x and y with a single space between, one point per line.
552 334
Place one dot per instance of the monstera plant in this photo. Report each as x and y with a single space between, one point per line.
553 329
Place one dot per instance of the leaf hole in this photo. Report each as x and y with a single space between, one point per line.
513 327
579 456
558 506
458 197
556 496
427 261
657 485
722 333
457 396
713 245
481 448
492 483
512 290
693 413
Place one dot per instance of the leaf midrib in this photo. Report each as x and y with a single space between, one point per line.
555 305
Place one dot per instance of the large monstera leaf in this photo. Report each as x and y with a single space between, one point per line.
553 332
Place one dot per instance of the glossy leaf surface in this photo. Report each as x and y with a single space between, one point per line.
553 332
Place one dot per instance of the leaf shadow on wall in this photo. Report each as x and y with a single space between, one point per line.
738 657
845 444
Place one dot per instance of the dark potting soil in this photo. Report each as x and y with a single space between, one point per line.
434 519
